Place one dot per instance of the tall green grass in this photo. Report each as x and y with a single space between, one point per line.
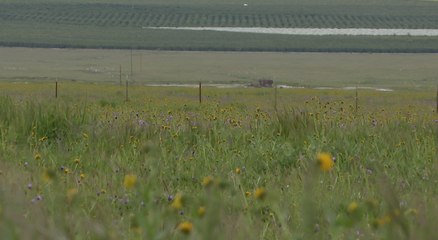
76 155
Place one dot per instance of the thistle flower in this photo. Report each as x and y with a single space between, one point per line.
325 161
185 227
130 181
36 199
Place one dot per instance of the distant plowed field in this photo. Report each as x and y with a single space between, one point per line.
81 24
145 15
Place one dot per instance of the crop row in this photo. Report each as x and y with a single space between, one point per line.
76 36
169 17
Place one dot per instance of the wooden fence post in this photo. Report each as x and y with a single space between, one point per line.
275 95
56 88
126 93
132 72
200 93
356 99
436 99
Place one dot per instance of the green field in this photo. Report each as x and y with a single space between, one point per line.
311 70
108 24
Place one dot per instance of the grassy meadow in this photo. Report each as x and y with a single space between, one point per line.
112 24
244 164
310 70
346 149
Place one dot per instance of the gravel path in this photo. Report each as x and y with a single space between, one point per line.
314 31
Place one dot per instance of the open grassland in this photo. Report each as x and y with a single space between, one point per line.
88 165
337 70
108 24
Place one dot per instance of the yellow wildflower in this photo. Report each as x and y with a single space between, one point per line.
82 176
37 156
382 221
260 193
136 229
185 227
43 139
71 193
49 175
177 202
248 194
201 211
130 181
412 211
352 207
396 212
325 161
66 170
77 161
237 170
207 181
